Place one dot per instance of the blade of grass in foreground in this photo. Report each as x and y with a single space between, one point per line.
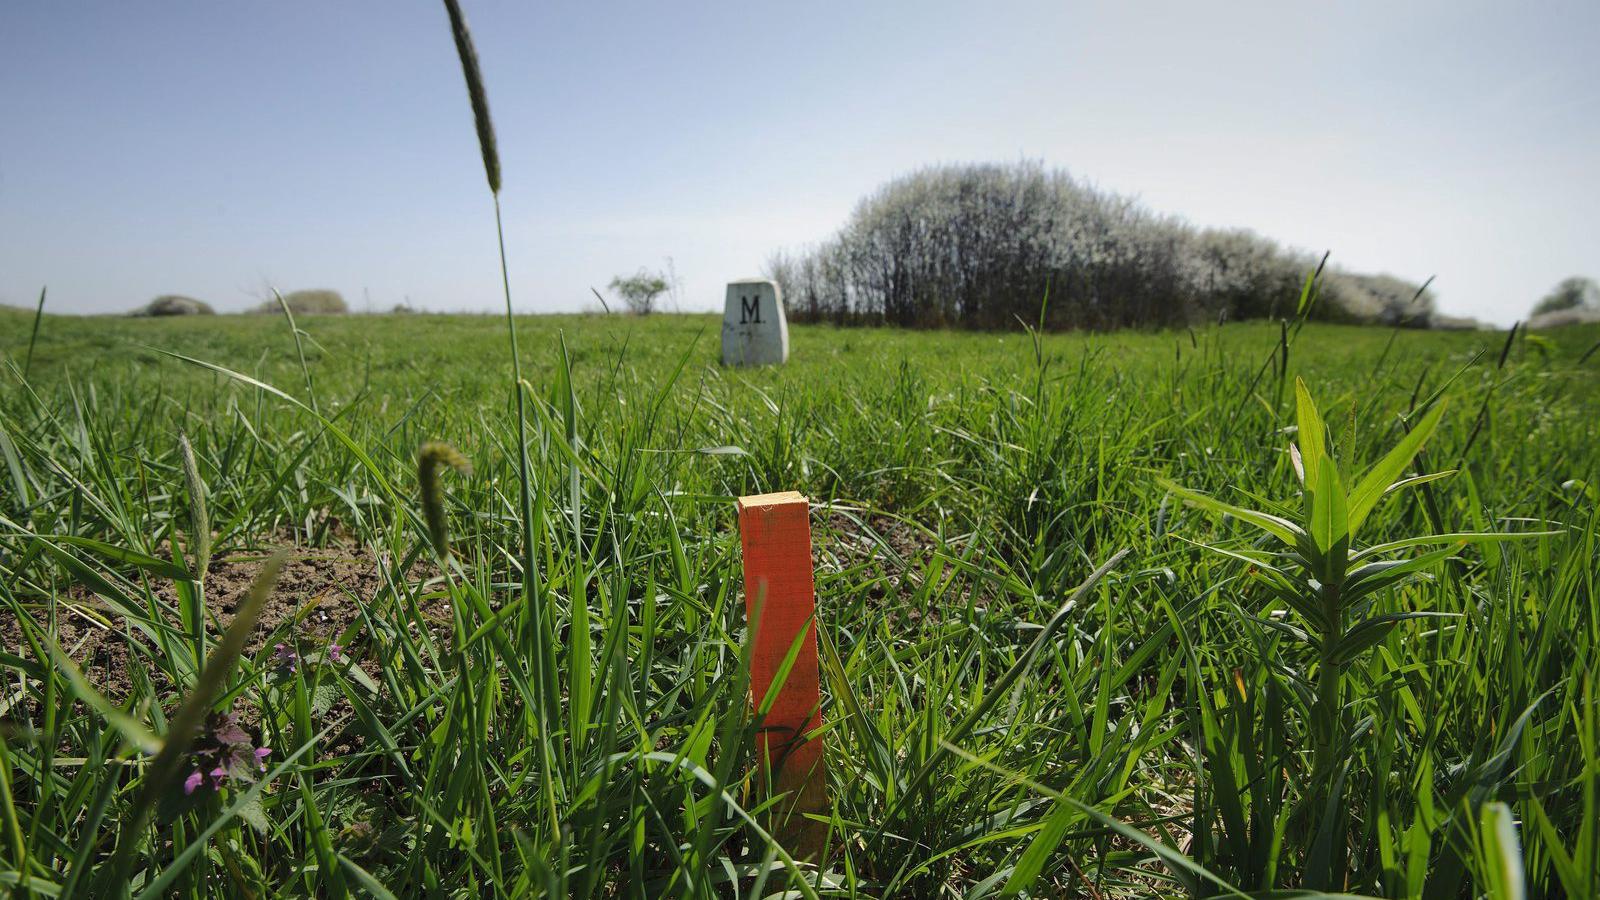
162 774
1184 868
38 314
543 642
1001 686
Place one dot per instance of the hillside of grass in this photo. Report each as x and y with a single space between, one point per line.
1000 721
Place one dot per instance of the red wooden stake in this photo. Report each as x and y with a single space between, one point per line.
775 531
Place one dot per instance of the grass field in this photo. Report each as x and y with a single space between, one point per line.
1000 722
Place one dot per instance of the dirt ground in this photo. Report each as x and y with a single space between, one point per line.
876 543
319 591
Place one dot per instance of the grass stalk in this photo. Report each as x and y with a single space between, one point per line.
33 336
541 640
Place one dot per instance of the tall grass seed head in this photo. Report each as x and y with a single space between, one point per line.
430 457
475 92
199 520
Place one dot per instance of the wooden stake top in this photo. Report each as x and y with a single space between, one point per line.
781 498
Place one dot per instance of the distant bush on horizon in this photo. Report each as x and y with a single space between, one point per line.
979 245
1577 292
174 305
640 291
1561 318
1382 299
320 302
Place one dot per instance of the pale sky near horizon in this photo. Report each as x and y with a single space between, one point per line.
212 149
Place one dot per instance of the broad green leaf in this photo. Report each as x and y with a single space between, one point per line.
1371 631
251 812
1306 293
1296 595
1311 436
1503 878
19 480
1459 538
1296 634
1329 521
160 567
1375 576
1373 485
1415 480
1256 561
1283 529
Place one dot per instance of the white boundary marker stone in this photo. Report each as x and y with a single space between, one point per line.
754 329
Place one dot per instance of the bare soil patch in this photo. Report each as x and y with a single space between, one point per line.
876 544
319 594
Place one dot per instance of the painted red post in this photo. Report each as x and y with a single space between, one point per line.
780 596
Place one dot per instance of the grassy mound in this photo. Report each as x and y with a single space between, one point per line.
308 303
174 305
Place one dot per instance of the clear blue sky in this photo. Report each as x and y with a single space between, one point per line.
213 148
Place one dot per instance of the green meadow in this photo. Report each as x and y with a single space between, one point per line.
1090 628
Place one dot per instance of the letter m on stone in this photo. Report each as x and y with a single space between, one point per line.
750 310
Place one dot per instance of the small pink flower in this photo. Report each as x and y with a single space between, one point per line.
336 653
285 657
223 751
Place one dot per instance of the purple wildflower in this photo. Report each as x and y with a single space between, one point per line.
223 750
336 654
286 659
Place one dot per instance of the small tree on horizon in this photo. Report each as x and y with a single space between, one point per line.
1576 292
640 290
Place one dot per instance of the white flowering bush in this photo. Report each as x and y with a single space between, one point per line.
981 245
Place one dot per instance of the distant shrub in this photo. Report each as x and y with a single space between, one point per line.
174 305
1242 275
978 246
1572 315
308 303
1576 292
640 290
1383 299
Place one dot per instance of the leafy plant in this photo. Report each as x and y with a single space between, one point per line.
1333 586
